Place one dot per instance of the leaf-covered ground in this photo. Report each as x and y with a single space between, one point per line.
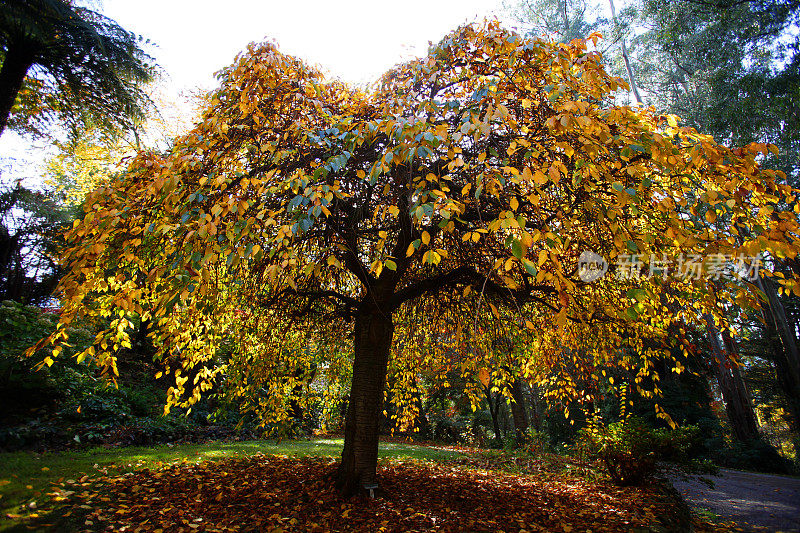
281 493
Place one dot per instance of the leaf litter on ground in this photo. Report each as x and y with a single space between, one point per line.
279 493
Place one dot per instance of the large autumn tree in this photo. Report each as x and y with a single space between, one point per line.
453 200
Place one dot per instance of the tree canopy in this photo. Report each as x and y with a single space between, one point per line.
66 62
708 61
441 212
30 229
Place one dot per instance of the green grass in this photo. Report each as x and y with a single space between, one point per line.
26 477
707 515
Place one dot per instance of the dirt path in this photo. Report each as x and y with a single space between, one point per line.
760 500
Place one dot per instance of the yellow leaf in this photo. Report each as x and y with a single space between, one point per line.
542 257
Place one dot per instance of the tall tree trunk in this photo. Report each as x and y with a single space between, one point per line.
737 401
627 61
785 352
19 59
518 412
743 398
303 376
372 340
536 407
494 411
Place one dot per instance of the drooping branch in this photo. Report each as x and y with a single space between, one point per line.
466 275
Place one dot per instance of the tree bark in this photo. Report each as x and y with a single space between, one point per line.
627 61
372 341
785 353
734 393
494 408
749 421
19 59
518 412
536 408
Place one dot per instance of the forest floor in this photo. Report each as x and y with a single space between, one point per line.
277 487
760 500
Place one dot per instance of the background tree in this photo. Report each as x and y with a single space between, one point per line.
70 64
704 61
463 190
565 20
31 228
709 61
560 20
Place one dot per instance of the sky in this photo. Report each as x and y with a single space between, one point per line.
354 40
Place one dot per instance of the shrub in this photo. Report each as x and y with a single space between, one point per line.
756 455
633 452
22 387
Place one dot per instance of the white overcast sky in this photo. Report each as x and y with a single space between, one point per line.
354 40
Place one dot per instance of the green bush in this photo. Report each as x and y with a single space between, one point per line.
755 455
23 389
65 404
632 451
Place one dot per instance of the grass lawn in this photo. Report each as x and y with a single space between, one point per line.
26 477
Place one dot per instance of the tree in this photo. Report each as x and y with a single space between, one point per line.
565 20
781 333
560 20
709 61
31 226
71 63
738 404
459 195
82 163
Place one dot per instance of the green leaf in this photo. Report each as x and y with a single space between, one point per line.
516 249
637 294
530 267
391 265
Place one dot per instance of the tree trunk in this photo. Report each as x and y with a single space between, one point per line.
737 401
494 408
19 59
303 377
502 415
295 405
536 408
372 341
784 328
749 422
627 61
785 352
518 412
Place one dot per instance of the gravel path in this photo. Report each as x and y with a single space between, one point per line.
760 500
